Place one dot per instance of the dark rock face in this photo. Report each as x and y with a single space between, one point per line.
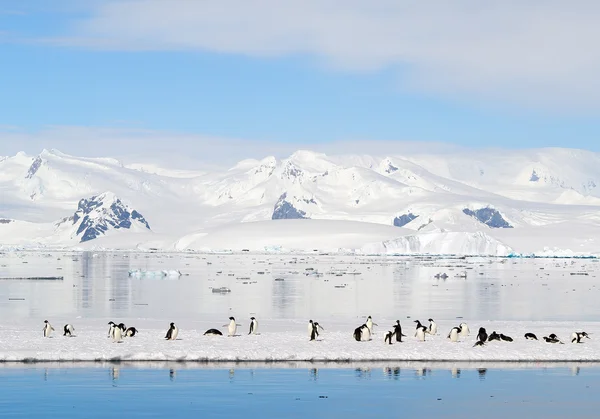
404 219
284 210
534 177
104 212
35 166
488 216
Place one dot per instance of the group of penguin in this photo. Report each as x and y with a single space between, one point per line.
362 333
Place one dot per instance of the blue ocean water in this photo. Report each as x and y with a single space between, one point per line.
66 391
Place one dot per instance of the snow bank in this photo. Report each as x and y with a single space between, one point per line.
140 273
286 341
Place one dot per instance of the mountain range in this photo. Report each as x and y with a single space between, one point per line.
543 202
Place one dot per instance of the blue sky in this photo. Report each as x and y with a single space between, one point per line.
279 74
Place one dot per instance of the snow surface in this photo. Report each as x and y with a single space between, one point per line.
286 341
550 196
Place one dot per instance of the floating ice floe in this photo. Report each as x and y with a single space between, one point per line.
140 273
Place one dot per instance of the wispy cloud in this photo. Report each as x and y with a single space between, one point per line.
539 53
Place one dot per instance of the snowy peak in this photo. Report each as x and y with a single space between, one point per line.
97 215
286 209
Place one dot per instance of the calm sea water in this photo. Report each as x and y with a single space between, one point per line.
363 392
97 285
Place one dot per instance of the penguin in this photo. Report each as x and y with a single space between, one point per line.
122 327
432 330
318 327
388 337
48 329
117 334
131 332
68 330
362 333
370 324
493 336
482 335
479 343
311 330
420 332
253 326
554 337
111 325
357 333
398 331
172 332
213 332
530 336
577 336
232 327
464 330
551 339
506 338
453 335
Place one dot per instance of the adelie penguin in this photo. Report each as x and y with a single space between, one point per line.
253 326
398 331
493 336
482 335
172 332
362 333
213 332
388 337
117 334
577 336
506 338
432 330
479 343
370 324
464 330
231 327
48 329
131 332
453 335
111 326
420 332
68 330
122 327
313 330
530 336
552 339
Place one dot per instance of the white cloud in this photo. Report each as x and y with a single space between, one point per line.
540 53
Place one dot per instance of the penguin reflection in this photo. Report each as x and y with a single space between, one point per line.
314 374
482 372
172 374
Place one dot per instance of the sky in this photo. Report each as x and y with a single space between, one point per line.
184 77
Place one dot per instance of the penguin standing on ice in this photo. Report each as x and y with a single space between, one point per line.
432 330
68 330
122 327
111 326
453 335
370 324
312 335
577 336
482 335
362 333
131 332
398 331
117 334
172 332
530 336
388 337
358 333
464 330
232 327
253 326
48 329
420 332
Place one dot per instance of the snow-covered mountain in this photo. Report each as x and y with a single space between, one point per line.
545 200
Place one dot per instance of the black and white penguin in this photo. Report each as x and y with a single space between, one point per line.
172 332
577 336
432 330
554 337
122 327
314 331
310 330
479 343
48 329
464 330
482 335
388 337
117 334
131 332
253 326
232 327
493 336
551 339
530 336
362 333
111 325
370 324
68 330
398 331
506 338
420 332
357 333
213 332
453 335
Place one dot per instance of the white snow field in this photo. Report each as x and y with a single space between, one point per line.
474 202
288 341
